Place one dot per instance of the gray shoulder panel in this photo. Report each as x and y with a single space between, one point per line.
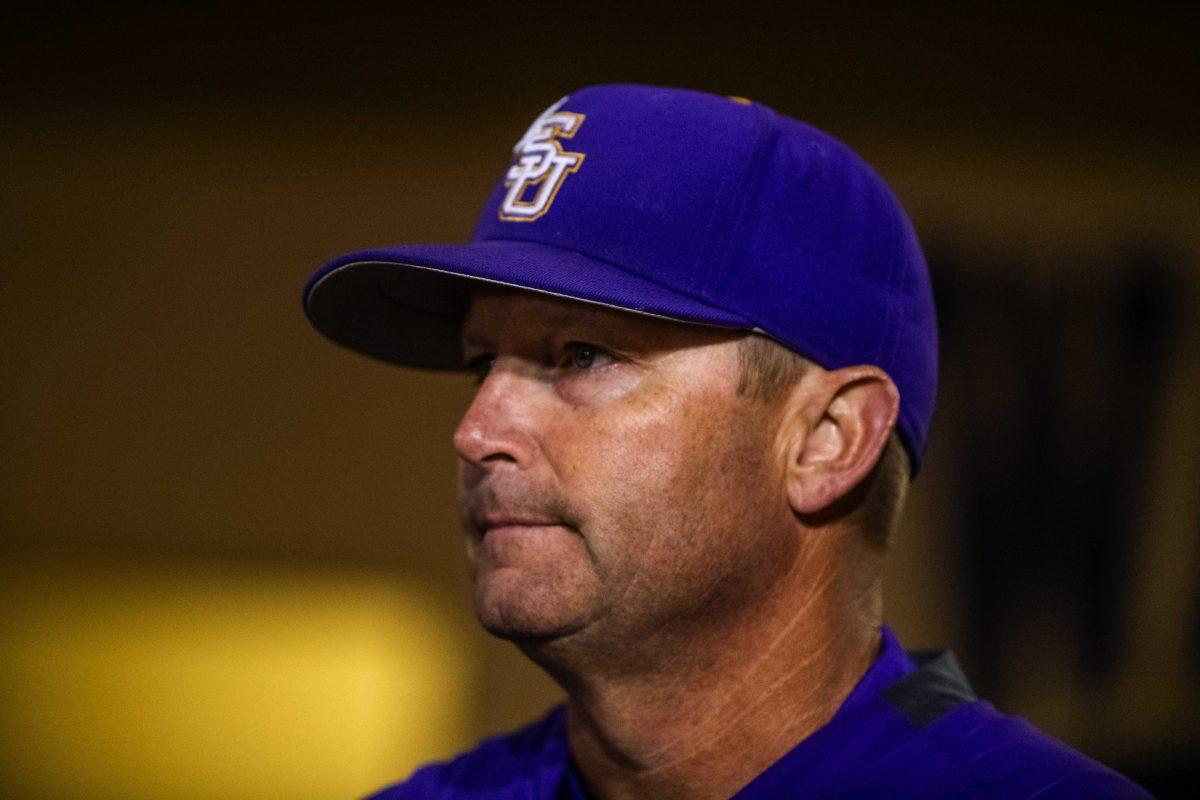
937 687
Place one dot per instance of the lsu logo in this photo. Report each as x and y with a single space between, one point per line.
540 165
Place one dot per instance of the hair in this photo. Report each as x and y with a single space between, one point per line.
767 371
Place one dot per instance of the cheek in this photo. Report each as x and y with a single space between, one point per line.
667 487
618 458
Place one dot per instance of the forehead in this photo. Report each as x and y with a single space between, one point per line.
495 311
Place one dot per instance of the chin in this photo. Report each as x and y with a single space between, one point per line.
527 633
534 613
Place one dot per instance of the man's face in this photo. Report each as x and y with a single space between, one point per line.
611 479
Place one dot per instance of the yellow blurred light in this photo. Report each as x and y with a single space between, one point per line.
223 682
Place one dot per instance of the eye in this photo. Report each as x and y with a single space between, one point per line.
480 365
583 356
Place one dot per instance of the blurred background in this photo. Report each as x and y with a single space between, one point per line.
229 566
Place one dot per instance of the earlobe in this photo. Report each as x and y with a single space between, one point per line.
842 439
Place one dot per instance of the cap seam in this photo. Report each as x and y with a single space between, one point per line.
704 251
758 154
891 330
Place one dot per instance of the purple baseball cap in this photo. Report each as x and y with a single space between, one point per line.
675 204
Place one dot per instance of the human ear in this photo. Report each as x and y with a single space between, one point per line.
848 419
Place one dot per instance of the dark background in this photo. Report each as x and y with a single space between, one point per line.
173 172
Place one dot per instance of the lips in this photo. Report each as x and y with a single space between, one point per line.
492 522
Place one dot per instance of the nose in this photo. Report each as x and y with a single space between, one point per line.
497 426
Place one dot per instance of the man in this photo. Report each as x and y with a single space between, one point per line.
706 351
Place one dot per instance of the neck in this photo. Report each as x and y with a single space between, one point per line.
716 710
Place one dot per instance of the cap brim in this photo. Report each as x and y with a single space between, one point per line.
406 304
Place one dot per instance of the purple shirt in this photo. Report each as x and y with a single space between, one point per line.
910 728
